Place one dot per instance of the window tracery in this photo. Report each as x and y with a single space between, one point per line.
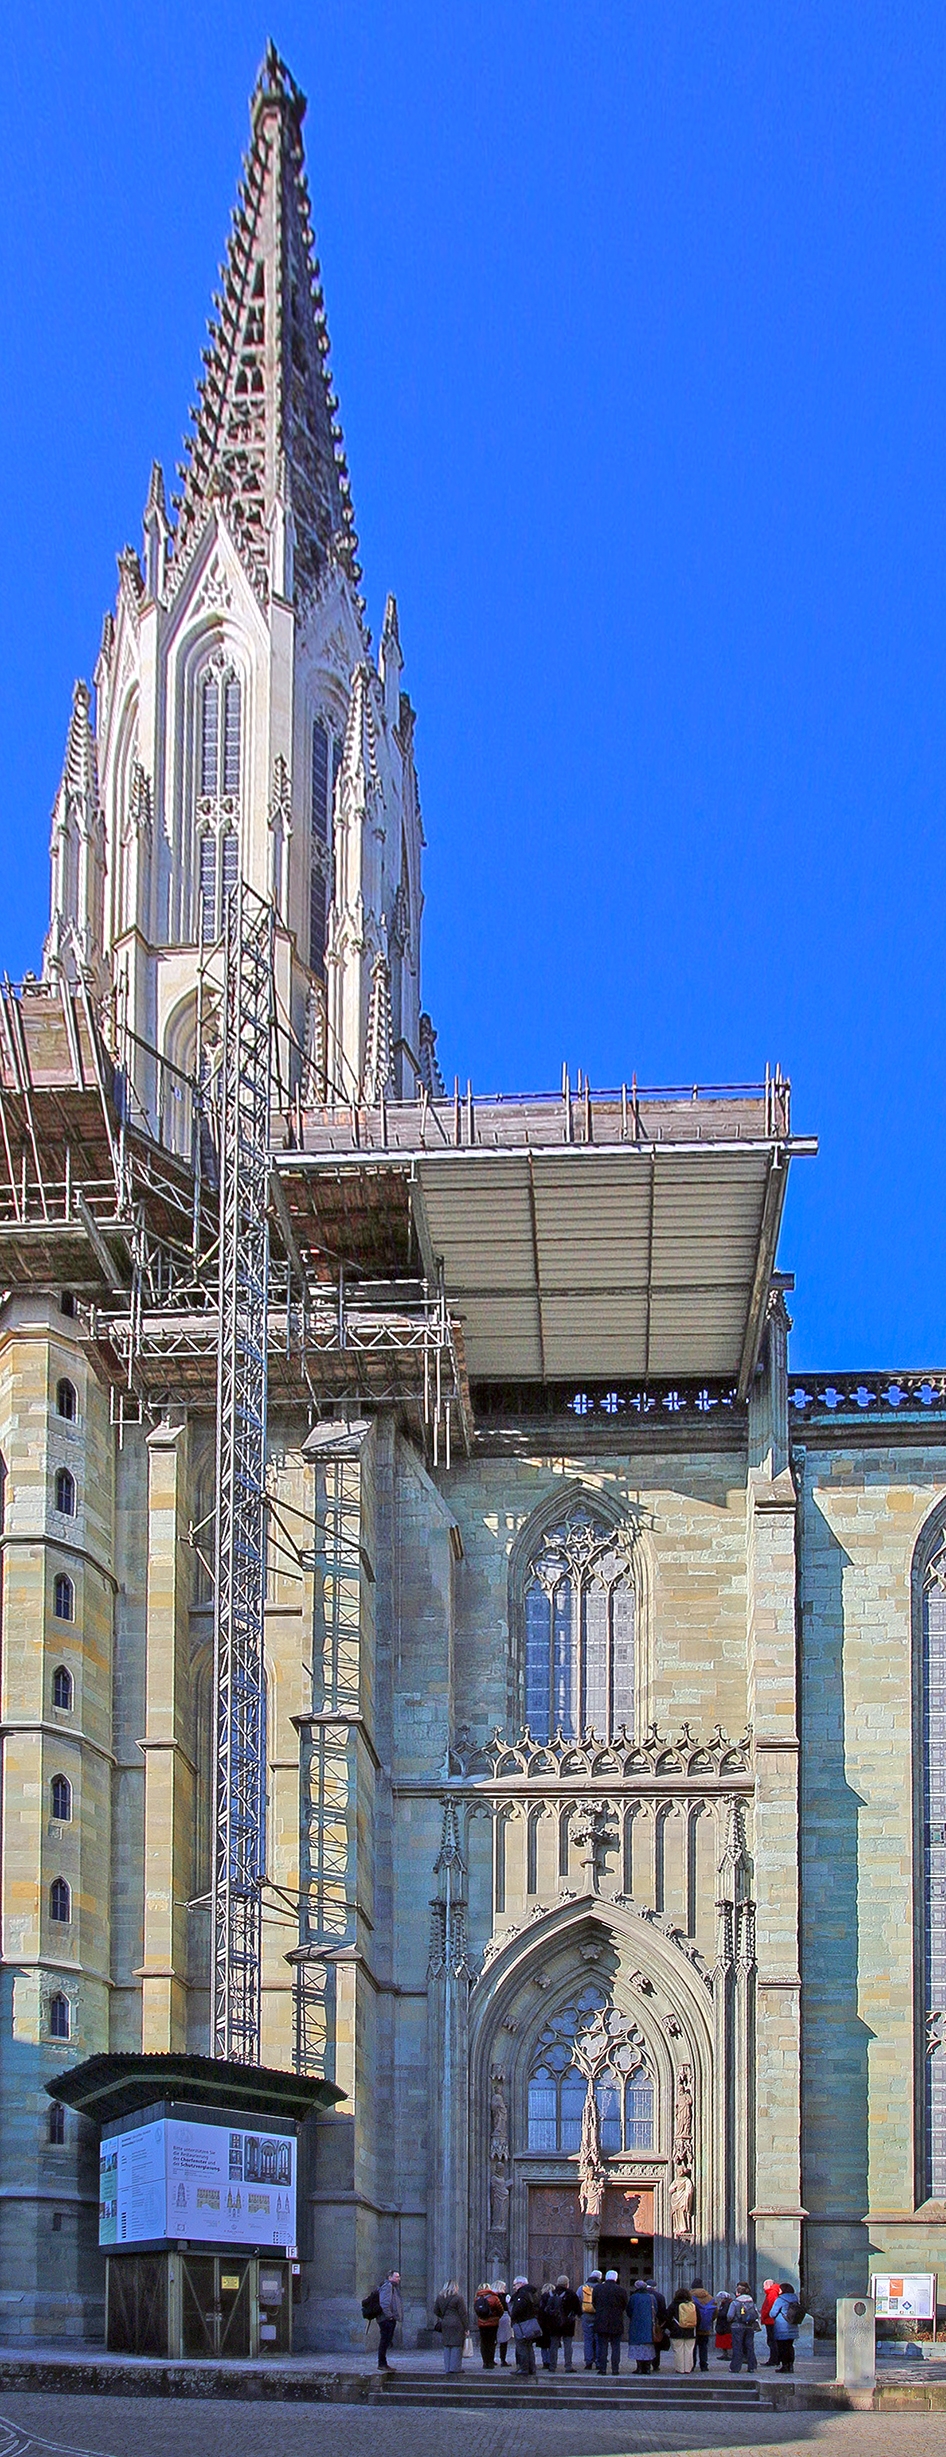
579 1617
933 1739
220 765
590 2051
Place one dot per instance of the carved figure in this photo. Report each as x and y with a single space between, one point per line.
591 2171
498 2202
681 2202
683 2111
498 2117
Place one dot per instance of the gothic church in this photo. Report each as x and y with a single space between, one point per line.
593 1795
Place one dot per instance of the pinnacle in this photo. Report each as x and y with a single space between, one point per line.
78 773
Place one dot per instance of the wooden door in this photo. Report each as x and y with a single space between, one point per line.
555 2239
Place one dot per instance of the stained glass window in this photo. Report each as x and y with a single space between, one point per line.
557 2085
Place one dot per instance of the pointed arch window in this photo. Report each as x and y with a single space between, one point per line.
60 1901
579 1629
60 2017
933 1756
61 1799
220 781
326 752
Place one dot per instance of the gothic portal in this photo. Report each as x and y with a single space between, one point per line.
434 1466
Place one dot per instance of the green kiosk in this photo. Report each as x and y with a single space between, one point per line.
198 2197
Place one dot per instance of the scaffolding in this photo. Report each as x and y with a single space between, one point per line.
240 1581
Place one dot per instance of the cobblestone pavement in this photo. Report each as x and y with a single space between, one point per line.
43 2426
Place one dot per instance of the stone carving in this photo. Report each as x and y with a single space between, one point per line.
681 2203
498 2203
498 2117
592 2173
622 1757
683 2113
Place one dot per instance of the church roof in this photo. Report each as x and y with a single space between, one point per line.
265 424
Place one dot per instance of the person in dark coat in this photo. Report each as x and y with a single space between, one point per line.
523 2313
641 2322
392 2311
452 2320
610 2305
660 2321
569 2305
705 2321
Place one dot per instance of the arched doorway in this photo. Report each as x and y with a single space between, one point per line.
593 2139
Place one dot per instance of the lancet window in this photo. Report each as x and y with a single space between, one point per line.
933 1709
615 2070
579 1617
326 753
220 764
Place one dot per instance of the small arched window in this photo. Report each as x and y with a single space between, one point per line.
579 1616
64 1598
57 2117
62 1688
66 1492
60 1901
67 1403
61 1798
60 2019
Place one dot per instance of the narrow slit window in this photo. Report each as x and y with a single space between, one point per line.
231 735
66 1493
60 2022
209 736
57 2123
62 1688
64 1598
61 1798
60 1902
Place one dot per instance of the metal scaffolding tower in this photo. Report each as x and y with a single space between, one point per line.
241 1466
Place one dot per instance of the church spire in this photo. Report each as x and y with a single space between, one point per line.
266 442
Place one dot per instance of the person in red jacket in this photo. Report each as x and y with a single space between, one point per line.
770 2288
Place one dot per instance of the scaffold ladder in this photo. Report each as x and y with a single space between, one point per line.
239 1677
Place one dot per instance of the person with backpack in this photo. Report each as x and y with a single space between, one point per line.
681 2322
488 2309
384 2305
787 2317
705 2321
610 2304
569 2307
743 2322
588 2316
526 2325
641 2324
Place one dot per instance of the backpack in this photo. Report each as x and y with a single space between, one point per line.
371 2305
487 2307
793 2312
686 2315
742 2311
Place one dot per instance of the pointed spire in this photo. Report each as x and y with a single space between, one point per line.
359 774
79 778
390 662
431 1077
265 426
380 1036
156 534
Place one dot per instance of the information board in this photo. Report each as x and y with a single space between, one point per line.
204 2183
904 2298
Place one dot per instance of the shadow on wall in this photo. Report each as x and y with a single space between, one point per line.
835 2042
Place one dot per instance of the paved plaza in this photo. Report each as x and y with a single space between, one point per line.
32 2425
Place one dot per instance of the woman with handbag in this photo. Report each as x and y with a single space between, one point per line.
526 2325
452 2320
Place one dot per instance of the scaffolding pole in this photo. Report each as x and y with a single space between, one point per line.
241 1464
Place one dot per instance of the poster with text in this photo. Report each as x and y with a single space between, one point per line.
177 2181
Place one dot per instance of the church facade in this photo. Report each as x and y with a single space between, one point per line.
603 1740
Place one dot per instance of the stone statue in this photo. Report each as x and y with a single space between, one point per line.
591 2169
498 2202
681 2202
498 2118
683 2113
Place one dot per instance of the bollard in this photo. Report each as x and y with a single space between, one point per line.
857 2359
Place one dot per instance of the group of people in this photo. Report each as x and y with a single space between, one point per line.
542 2321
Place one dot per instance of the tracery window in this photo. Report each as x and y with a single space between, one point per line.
326 752
933 1707
218 809
558 2083
579 1612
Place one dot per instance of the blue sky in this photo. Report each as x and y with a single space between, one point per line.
637 317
